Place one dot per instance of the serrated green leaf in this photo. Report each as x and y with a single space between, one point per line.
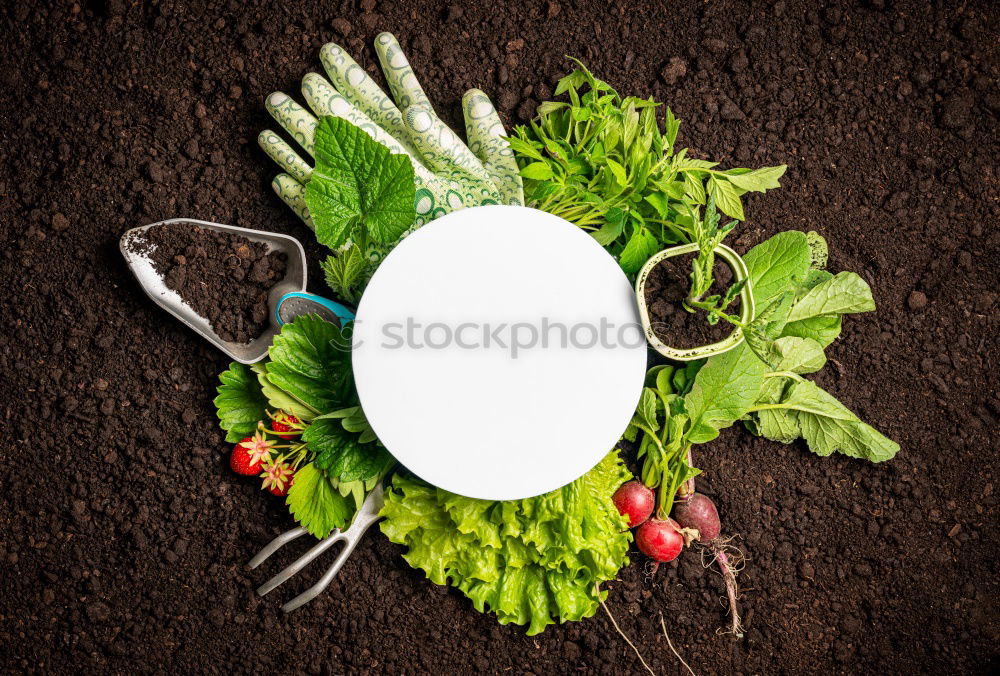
532 562
640 246
311 362
614 223
278 399
240 403
825 423
346 273
726 197
694 187
316 504
358 183
339 453
618 171
537 171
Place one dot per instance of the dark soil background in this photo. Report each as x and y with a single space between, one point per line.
123 535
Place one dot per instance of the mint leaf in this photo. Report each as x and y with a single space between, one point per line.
311 362
358 186
845 292
339 453
537 171
240 404
807 410
641 245
316 503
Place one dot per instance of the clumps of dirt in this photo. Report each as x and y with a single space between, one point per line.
667 287
223 277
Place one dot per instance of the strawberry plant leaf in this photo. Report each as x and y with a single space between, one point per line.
316 503
240 403
358 186
278 399
311 362
339 453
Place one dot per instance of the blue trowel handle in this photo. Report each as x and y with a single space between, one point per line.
296 303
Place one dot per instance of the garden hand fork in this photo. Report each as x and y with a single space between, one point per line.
366 516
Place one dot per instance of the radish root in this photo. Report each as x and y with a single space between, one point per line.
730 560
622 633
672 649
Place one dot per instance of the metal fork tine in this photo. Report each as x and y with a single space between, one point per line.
317 589
276 544
299 564
367 515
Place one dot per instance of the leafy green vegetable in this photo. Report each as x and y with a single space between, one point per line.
602 162
316 503
358 189
805 410
311 362
760 380
240 404
723 391
339 452
842 294
533 561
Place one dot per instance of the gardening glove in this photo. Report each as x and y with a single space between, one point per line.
449 174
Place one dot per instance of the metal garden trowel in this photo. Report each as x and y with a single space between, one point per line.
286 300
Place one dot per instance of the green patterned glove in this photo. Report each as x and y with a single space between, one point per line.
449 174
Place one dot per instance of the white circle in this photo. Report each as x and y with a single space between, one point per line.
474 415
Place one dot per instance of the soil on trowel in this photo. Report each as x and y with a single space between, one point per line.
666 288
224 277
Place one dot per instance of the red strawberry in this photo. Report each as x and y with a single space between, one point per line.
284 422
241 460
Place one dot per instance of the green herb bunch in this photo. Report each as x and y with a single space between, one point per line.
602 162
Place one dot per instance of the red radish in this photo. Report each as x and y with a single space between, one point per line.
660 539
242 460
284 422
634 500
699 512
